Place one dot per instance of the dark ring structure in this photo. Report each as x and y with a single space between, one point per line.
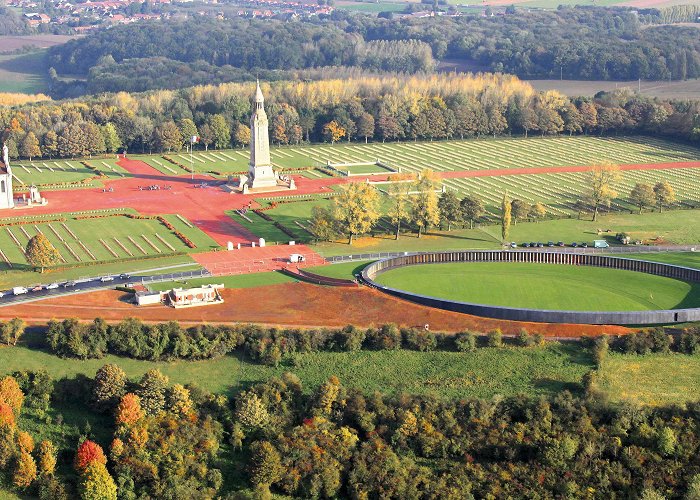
666 316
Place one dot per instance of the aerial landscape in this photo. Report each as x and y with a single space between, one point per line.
276 249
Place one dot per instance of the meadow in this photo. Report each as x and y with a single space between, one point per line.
23 73
544 286
64 174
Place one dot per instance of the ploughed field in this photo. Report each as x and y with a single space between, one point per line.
545 286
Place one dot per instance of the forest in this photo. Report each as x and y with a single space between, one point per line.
153 438
351 106
578 43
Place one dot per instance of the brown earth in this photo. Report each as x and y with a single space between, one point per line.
290 304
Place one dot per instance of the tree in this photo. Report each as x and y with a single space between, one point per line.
96 483
111 138
449 207
296 134
29 147
424 203
332 131
519 210
251 412
323 225
242 135
25 470
279 130
472 208
357 208
41 253
398 191
187 130
151 392
664 194
50 143
47 457
538 211
220 131
109 386
94 140
642 195
179 401
129 410
168 137
12 331
11 394
365 126
72 141
206 136
265 464
601 179
505 217
88 452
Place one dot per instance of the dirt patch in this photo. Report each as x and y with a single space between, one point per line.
291 304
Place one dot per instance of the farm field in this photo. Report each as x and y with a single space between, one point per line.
23 73
545 370
651 379
82 239
543 286
684 89
64 174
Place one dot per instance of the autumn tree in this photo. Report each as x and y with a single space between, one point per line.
206 136
642 195
128 410
96 483
12 331
47 457
449 207
179 401
333 131
279 130
601 180
25 470
472 208
538 211
29 147
109 386
357 208
265 466
296 134
399 208
323 224
251 411
41 253
242 135
151 391
519 210
365 126
168 137
506 208
50 143
11 394
664 195
424 203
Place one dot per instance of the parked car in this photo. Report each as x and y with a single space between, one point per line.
540 245
52 286
37 288
104 279
68 284
2 295
584 245
560 244
526 245
550 244
574 244
513 244
19 290
124 276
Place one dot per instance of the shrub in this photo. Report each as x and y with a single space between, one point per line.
494 338
538 339
689 343
465 342
523 338
351 339
386 337
419 339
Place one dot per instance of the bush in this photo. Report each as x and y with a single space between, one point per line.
538 339
523 338
689 342
494 338
387 337
465 342
419 340
350 339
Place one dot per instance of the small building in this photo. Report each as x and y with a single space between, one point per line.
182 297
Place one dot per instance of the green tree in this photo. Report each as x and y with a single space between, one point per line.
50 143
12 331
111 138
449 207
601 181
505 218
41 253
365 126
424 203
642 195
168 137
472 208
187 130
220 131
398 191
265 464
72 142
151 391
519 209
357 208
206 136
664 194
667 441
251 411
29 147
323 224
96 483
109 386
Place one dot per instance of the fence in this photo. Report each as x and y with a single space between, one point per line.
541 315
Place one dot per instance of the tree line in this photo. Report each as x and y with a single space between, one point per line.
360 107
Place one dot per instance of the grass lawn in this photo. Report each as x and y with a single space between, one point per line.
23 73
63 174
545 286
483 373
652 379
686 259
345 270
237 281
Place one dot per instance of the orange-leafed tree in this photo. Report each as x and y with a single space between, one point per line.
46 456
11 394
7 416
25 470
129 410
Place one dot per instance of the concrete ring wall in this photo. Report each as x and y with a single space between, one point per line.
667 316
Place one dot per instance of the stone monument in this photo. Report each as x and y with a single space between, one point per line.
6 199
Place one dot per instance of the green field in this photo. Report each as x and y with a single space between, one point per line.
652 379
64 174
444 374
544 286
236 281
23 73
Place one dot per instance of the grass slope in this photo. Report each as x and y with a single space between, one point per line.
483 373
544 286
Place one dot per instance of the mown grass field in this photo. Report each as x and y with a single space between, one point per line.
545 286
64 174
651 379
237 281
483 373
23 73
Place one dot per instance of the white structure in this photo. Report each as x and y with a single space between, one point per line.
260 173
6 199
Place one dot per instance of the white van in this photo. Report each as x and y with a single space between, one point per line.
296 257
600 244
19 290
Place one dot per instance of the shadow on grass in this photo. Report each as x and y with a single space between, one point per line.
692 299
